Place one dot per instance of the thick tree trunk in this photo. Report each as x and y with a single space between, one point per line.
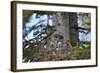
74 33
61 20
59 38
66 32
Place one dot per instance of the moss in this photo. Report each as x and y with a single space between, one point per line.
29 52
79 53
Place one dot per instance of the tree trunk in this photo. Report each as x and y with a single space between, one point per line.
66 32
60 37
74 33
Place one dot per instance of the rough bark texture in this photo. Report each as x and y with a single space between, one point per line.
58 45
59 38
74 33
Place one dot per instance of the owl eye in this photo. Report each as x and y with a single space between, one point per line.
52 45
61 37
59 24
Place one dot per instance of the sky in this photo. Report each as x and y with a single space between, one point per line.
83 37
33 21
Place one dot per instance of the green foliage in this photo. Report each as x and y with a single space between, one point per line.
86 19
29 52
79 53
26 15
39 13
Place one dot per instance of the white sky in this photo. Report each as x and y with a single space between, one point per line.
33 21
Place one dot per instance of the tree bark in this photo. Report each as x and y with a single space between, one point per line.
74 33
60 37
